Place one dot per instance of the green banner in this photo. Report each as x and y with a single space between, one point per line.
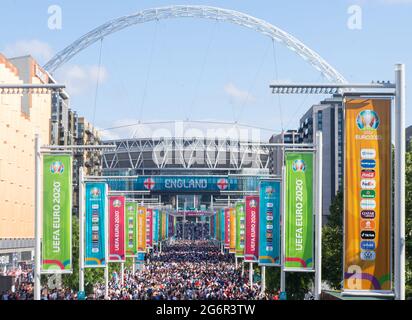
131 229
240 229
299 211
57 207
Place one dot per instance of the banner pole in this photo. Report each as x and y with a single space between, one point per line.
282 253
318 215
134 265
243 268
37 204
81 229
106 281
400 145
122 273
251 273
236 262
263 273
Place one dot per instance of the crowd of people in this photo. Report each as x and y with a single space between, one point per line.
192 231
183 270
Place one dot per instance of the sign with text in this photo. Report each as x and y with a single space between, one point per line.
96 252
117 251
367 198
252 229
269 219
240 229
131 229
57 215
227 228
141 229
299 211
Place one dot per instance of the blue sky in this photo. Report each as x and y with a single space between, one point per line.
204 70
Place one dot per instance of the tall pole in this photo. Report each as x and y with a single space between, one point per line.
81 229
263 275
122 273
282 243
318 215
134 265
37 226
106 281
250 274
400 145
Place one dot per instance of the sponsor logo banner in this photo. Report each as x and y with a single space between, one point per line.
269 221
149 228
131 229
240 229
252 229
141 229
299 211
367 209
232 221
96 252
117 251
57 206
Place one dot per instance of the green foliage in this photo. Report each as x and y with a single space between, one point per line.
408 227
297 283
332 244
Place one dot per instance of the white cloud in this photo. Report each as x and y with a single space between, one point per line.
238 95
80 79
39 50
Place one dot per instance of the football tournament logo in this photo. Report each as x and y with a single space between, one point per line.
367 120
57 167
298 166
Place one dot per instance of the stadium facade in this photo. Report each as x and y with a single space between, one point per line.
187 173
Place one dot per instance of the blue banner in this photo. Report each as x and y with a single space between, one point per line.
269 222
222 224
96 225
155 226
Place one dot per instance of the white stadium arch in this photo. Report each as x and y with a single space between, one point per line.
196 11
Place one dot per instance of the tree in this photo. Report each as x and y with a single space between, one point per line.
332 244
408 226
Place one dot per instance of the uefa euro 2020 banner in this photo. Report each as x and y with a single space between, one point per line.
57 207
299 212
269 220
367 199
222 226
141 229
131 229
149 228
252 229
117 251
240 229
96 225
232 222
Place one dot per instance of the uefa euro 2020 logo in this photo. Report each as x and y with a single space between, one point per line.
117 203
367 120
298 166
269 190
95 192
57 167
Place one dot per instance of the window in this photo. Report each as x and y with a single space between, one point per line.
320 120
